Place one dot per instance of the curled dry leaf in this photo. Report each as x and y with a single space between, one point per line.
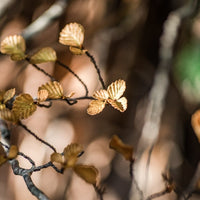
56 157
46 54
13 151
120 104
72 35
54 89
23 106
95 107
195 121
15 46
8 115
124 149
42 95
3 159
9 94
71 154
87 173
77 51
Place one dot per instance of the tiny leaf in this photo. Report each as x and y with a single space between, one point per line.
120 104
3 159
116 89
13 151
77 51
14 46
24 106
95 107
55 90
124 149
46 54
72 35
8 95
87 173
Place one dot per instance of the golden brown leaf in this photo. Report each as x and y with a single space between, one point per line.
101 95
42 95
9 94
23 106
3 159
8 115
77 51
15 46
2 106
116 89
56 157
55 90
46 54
1 95
13 151
124 149
195 121
72 35
71 153
120 104
95 107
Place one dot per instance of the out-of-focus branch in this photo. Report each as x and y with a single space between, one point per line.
159 89
53 13
5 5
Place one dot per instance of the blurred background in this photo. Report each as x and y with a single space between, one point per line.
123 36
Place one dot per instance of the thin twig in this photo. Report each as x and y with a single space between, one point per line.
35 136
158 194
97 69
100 191
71 71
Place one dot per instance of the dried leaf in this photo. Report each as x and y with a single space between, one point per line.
1 95
71 153
56 157
195 121
46 54
8 95
124 149
95 107
120 104
87 173
42 95
8 115
72 35
55 90
13 151
14 46
2 106
116 89
101 95
77 51
3 159
24 106
69 95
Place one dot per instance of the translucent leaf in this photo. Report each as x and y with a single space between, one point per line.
13 151
124 149
56 157
120 104
55 90
2 106
3 159
72 35
8 95
95 107
116 89
8 115
42 95
77 51
87 173
71 153
195 121
14 46
101 95
24 106
46 54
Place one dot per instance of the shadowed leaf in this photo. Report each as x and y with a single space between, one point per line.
120 104
8 95
95 107
8 115
13 151
195 121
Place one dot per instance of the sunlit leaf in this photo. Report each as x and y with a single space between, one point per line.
2 106
120 104
71 153
13 151
72 35
57 157
8 95
195 121
15 46
8 115
124 149
87 173
42 95
55 90
24 106
116 89
95 107
101 95
46 54
77 51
